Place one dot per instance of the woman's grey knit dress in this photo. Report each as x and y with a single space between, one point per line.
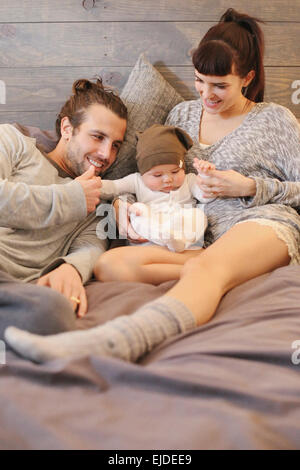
266 146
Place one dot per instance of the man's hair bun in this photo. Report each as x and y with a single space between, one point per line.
83 85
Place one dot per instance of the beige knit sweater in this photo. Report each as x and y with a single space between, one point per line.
43 216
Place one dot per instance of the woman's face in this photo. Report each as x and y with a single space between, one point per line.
220 94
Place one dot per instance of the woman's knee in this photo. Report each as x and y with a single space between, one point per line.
113 265
101 268
244 252
206 266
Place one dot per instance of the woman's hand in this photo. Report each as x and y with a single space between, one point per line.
223 183
66 280
122 216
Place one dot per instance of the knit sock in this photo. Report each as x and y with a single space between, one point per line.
126 337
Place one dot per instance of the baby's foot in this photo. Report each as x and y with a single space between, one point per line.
203 166
175 243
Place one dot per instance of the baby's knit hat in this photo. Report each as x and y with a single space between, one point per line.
161 145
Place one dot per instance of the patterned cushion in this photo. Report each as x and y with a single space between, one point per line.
149 99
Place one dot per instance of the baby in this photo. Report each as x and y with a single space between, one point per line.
165 213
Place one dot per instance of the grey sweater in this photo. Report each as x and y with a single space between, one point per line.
43 215
266 146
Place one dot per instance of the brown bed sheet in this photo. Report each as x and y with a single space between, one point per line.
230 384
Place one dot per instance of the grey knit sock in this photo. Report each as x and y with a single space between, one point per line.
126 337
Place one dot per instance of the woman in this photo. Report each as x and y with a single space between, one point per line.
255 147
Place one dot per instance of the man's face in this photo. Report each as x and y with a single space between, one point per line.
95 142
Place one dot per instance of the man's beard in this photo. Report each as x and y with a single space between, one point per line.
74 162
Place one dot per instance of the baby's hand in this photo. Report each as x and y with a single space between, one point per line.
203 166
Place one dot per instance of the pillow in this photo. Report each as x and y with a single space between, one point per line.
149 99
46 141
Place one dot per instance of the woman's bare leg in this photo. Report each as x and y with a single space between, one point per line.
149 264
246 251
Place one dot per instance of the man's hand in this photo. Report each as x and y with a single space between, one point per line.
91 185
122 216
66 280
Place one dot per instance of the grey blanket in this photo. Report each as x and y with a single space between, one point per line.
231 384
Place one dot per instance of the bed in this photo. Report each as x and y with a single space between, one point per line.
231 384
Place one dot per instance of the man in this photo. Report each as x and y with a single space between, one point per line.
47 204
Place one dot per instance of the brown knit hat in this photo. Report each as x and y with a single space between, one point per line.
161 145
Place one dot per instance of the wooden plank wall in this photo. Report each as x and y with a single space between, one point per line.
47 44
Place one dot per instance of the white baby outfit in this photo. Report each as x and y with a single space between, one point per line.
167 219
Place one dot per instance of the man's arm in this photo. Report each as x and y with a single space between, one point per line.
34 207
28 200
68 274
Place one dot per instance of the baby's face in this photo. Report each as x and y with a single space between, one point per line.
164 178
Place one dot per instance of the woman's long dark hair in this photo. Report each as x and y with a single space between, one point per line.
234 45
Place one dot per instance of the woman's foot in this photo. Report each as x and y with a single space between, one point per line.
46 348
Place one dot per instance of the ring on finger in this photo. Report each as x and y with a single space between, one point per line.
75 299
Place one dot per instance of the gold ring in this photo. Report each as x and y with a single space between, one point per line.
75 299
